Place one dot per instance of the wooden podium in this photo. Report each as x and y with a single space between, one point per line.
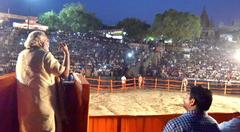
74 104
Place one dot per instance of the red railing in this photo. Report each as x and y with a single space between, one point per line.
100 84
148 123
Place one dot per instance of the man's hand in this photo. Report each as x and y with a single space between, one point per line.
66 60
64 48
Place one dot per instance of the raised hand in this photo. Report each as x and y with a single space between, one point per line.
63 47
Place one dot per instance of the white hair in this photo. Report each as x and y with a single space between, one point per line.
33 39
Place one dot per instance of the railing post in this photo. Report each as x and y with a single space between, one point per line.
225 88
143 83
99 83
185 88
134 82
155 83
208 86
182 87
111 85
125 86
168 85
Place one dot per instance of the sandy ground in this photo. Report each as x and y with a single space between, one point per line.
152 102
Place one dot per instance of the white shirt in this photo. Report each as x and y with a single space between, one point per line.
123 79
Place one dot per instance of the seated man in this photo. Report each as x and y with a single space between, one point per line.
197 102
232 125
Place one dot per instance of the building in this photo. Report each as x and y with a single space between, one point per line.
30 21
208 31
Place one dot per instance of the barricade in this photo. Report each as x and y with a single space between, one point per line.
99 84
154 123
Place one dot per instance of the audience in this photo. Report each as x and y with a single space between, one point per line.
99 56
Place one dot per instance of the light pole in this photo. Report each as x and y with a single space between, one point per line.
28 23
29 9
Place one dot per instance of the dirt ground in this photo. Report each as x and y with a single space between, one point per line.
152 102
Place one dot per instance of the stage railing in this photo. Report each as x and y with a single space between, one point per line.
100 84
148 123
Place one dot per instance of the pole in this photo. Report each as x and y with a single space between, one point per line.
168 85
155 83
134 79
225 88
182 86
111 83
28 20
143 82
99 79
208 86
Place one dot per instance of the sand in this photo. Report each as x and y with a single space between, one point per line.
152 102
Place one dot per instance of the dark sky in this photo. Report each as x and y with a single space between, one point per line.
111 11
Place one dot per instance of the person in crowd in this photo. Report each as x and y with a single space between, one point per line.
140 81
184 84
36 70
124 79
232 125
197 102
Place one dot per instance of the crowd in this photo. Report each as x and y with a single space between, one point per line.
36 69
95 55
203 60
92 54
11 42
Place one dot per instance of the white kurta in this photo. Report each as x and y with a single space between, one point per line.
36 70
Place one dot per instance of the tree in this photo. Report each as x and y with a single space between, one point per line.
178 26
135 28
50 19
74 18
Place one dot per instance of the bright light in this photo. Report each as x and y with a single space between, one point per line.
237 55
168 41
149 38
130 55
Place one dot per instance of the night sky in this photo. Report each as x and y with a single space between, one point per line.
112 11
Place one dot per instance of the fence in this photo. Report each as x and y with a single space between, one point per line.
100 84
